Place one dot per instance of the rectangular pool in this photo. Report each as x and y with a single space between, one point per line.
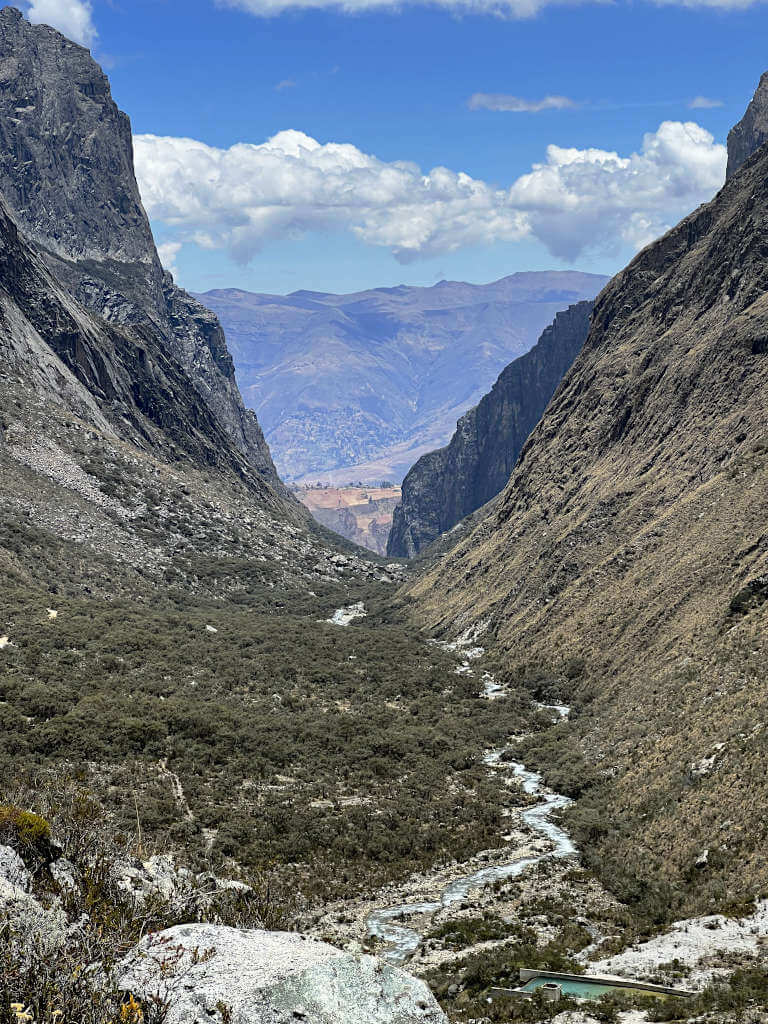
586 989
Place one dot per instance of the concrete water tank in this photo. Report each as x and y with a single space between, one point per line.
551 991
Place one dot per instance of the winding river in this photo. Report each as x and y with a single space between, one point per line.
404 941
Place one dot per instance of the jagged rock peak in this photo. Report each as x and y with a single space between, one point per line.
746 137
58 122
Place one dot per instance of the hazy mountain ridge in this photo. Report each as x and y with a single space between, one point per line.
626 560
446 485
357 386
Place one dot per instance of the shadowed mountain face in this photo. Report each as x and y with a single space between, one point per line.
627 559
66 173
455 481
120 381
746 137
129 463
357 387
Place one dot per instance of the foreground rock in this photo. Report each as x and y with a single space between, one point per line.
206 972
25 923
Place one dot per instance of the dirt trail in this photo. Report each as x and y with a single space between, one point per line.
177 790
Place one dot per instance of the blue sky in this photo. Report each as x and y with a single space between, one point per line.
395 85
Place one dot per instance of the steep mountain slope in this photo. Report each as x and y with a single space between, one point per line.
121 415
627 561
121 382
66 173
356 387
446 485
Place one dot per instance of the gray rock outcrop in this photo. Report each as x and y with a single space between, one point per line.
257 977
13 873
448 484
746 137
66 173
31 926
120 380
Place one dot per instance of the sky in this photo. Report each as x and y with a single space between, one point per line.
337 145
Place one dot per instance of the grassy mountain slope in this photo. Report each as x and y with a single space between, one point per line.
626 565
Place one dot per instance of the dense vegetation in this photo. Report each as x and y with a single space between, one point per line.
350 754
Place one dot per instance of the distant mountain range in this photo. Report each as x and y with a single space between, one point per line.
357 387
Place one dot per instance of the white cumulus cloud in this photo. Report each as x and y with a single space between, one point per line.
72 17
239 198
594 199
577 200
168 252
516 105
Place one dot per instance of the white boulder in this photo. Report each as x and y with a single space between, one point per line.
208 973
64 873
157 876
13 873
32 930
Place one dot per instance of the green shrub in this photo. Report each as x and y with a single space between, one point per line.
24 830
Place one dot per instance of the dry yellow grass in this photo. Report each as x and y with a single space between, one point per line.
637 511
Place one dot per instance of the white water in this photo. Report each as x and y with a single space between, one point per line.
561 710
405 941
343 616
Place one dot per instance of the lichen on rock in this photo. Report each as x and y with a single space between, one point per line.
211 972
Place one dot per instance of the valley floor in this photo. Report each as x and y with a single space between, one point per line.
173 651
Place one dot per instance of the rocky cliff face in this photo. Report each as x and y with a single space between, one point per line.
122 382
628 556
448 484
66 172
746 137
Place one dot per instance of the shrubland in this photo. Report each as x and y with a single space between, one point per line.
344 757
